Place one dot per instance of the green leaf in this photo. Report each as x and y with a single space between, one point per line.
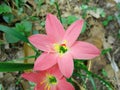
52 2
10 67
8 18
104 73
105 51
84 27
5 9
10 38
105 23
109 18
71 19
84 7
118 5
64 20
27 26
39 2
13 32
17 3
19 27
24 26
42 23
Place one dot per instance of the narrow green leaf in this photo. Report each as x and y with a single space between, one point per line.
93 83
20 59
108 85
0 86
10 67
119 34
13 32
59 12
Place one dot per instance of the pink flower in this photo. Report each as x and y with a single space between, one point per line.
50 79
61 47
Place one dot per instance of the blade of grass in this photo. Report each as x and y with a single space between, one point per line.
108 85
59 13
24 58
10 67
93 83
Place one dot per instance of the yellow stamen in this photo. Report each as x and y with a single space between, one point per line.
48 81
47 87
42 82
56 47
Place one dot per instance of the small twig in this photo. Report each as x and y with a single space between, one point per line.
114 66
116 74
89 67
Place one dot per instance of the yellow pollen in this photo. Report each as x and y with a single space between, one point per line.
56 47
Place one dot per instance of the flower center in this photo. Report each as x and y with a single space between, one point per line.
61 48
52 80
48 81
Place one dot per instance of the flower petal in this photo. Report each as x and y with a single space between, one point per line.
42 42
66 65
45 61
84 50
73 32
33 77
53 87
54 28
64 85
55 71
40 87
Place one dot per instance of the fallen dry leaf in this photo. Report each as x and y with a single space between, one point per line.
28 51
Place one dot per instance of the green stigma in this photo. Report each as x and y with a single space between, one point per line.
62 49
52 80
